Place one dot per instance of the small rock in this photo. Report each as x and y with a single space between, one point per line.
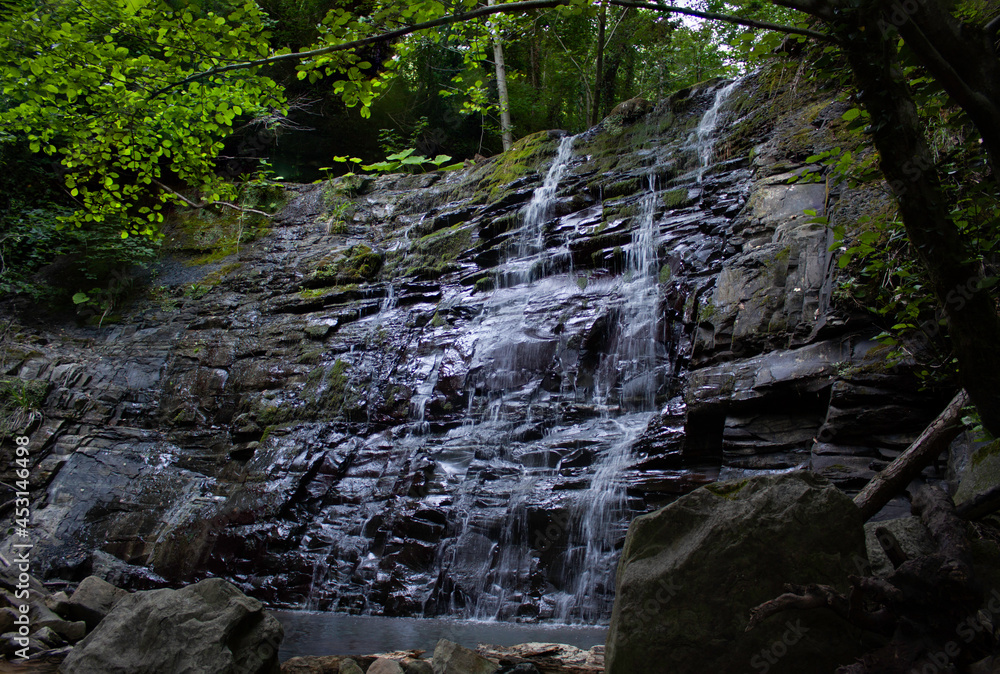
522 668
58 603
450 658
92 600
70 631
385 666
10 644
48 636
349 666
418 667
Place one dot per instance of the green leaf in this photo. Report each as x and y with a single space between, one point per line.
851 114
403 154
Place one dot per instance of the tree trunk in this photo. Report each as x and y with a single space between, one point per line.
501 71
962 59
602 23
909 168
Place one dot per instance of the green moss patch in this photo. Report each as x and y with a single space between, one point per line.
357 264
727 490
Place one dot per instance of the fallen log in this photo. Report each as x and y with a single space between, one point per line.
908 465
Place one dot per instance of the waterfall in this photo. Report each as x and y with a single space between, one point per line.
524 475
599 511
529 257
705 133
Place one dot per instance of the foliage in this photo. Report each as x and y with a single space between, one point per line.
20 404
97 84
882 274
94 259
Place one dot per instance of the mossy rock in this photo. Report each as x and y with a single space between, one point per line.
690 573
981 474
527 155
445 244
356 264
677 198
213 236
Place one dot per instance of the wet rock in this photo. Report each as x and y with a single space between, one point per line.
691 572
349 666
93 600
385 666
451 658
209 626
982 473
418 667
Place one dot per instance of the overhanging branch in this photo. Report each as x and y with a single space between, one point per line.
206 204
993 27
510 7
726 18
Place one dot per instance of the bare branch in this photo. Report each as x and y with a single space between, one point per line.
992 27
205 204
823 9
801 597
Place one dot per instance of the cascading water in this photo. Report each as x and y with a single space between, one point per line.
522 502
599 512
529 257
704 136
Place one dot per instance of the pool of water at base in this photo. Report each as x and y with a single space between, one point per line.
313 633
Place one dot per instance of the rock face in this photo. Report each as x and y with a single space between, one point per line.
207 627
691 572
448 393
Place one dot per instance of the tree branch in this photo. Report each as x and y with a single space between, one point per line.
993 27
823 9
510 7
205 204
725 18
801 597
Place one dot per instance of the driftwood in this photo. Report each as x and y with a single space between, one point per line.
908 465
547 658
921 605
